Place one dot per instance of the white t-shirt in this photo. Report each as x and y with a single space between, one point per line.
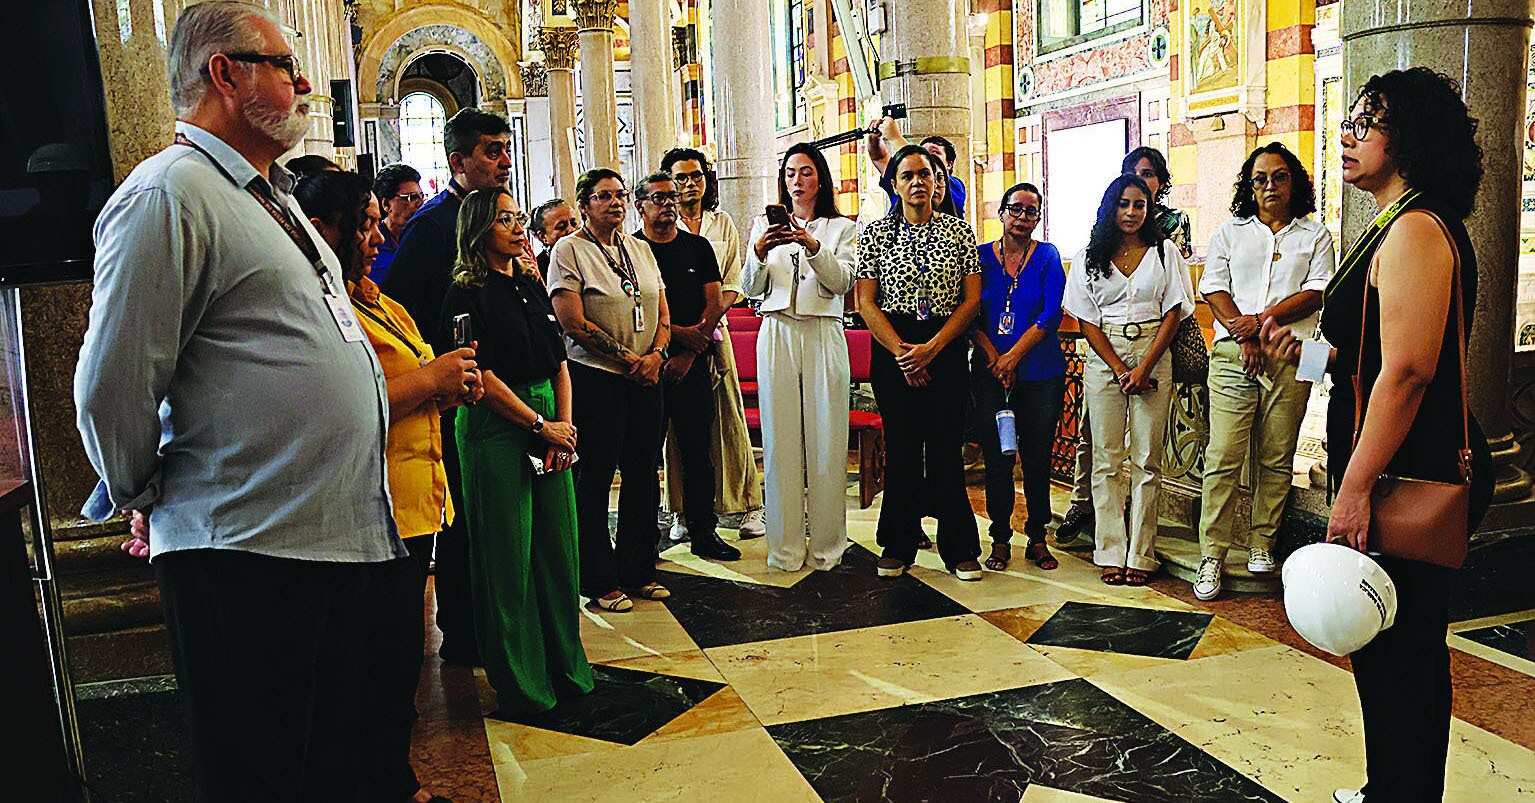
1159 283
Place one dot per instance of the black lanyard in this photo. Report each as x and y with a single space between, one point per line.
1012 286
295 232
623 266
393 330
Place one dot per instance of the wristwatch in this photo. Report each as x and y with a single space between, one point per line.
538 424
665 354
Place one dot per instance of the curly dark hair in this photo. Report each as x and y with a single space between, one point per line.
337 198
711 199
1158 164
1302 193
1106 236
1432 136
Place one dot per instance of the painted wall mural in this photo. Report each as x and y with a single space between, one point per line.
1214 45
1093 65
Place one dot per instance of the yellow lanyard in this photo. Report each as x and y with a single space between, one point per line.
1371 238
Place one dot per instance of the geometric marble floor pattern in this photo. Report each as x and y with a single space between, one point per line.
1027 687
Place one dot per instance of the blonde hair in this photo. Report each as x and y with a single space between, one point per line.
475 218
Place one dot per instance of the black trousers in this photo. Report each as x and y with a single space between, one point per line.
690 411
273 657
455 608
924 459
1403 677
393 673
619 425
1036 406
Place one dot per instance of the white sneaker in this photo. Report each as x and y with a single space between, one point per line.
679 530
1348 796
1207 584
755 524
1260 561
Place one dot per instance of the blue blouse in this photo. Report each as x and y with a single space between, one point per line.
1036 301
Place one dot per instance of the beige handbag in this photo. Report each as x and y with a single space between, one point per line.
1423 520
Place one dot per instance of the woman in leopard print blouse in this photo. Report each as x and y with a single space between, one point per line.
919 288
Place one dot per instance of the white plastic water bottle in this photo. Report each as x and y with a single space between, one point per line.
1007 431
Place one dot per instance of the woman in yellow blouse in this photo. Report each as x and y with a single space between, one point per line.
342 208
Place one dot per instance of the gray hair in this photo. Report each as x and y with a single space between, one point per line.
201 31
642 189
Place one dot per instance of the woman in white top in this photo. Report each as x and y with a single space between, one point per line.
611 302
738 488
1128 290
801 272
1268 262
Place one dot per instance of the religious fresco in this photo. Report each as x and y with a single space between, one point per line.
1213 45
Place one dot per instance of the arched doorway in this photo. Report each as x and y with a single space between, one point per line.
421 121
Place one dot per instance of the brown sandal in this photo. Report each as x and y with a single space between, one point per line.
1001 554
1136 577
1040 555
1113 576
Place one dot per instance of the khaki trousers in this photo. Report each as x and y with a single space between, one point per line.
737 485
1242 411
1128 431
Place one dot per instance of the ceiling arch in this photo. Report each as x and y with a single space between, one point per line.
407 33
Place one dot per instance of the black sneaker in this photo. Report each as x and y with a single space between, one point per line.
1078 521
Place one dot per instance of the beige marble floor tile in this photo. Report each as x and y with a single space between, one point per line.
689 664
723 712
513 743
1291 722
1044 794
745 766
751 568
649 629
809 677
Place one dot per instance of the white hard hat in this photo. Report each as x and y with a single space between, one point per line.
1337 598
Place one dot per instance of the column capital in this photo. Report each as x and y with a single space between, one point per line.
560 46
595 14
535 78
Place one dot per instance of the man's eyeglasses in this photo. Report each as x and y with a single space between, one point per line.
286 62
609 195
1260 181
695 177
510 221
1360 126
1019 210
662 198
410 197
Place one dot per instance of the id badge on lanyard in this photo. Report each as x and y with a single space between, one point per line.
639 316
1005 323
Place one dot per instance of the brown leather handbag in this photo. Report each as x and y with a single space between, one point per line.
1423 520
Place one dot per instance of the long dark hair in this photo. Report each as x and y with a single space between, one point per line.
1433 136
1158 166
1106 237
337 198
893 167
476 217
825 193
711 199
1302 195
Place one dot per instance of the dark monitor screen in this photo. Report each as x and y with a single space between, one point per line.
55 172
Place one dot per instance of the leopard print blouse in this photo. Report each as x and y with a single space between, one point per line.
895 253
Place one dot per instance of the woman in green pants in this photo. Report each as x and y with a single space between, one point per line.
516 448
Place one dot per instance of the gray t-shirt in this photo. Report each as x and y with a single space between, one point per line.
578 265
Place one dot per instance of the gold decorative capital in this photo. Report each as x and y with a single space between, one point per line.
595 14
560 47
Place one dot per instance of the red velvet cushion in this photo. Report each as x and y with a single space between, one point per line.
748 388
744 344
753 418
857 419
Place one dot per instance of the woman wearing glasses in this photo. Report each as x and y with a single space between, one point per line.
607 293
521 516
919 286
1018 366
1410 143
1271 261
738 488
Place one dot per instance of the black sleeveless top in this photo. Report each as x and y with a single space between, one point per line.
1433 444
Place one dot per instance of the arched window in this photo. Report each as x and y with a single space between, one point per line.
421 123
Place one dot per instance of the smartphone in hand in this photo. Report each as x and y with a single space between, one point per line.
777 215
463 331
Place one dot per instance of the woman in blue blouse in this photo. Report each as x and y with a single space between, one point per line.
1018 365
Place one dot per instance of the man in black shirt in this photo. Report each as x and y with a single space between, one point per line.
692 277
478 145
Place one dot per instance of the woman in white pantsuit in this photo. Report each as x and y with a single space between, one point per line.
801 272
1128 290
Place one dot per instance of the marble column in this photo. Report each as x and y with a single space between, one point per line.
599 119
1483 45
559 46
651 76
743 108
926 67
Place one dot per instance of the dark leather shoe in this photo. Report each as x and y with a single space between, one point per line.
1078 521
711 546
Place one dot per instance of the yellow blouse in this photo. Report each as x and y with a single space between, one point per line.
418 482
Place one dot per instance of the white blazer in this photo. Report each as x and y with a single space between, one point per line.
825 277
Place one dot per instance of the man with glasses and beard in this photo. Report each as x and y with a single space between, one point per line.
479 155
225 389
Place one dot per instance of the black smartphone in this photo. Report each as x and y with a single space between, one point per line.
463 331
777 215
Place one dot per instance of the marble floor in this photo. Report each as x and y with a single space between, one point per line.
1027 687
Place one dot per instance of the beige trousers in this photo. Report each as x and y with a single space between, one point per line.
1128 432
738 486
1243 411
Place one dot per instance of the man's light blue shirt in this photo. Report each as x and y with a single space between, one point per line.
214 388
